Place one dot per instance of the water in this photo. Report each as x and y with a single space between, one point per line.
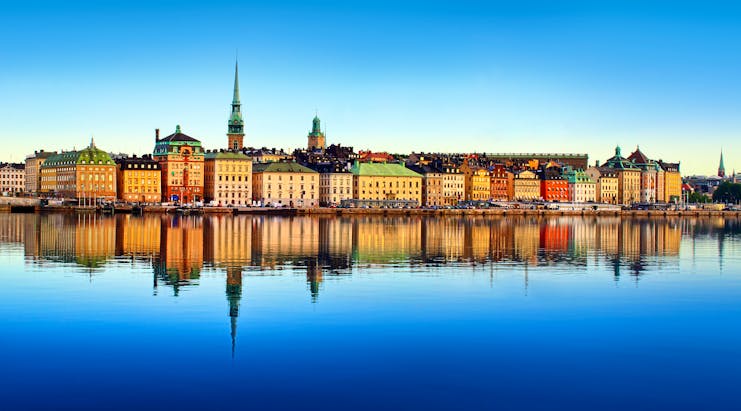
368 313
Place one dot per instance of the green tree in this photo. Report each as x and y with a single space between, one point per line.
727 192
694 197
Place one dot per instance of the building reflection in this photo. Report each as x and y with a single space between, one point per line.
180 253
180 247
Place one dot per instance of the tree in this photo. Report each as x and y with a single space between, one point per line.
695 197
727 192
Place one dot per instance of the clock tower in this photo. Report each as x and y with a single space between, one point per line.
235 127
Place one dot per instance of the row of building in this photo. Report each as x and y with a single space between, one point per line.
179 169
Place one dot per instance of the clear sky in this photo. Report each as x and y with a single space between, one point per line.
491 76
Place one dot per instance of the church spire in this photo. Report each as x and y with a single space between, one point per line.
235 99
721 166
235 126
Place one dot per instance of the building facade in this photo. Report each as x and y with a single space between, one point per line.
554 188
181 159
629 178
12 178
606 180
453 185
227 178
501 183
88 175
385 181
672 182
432 185
582 189
285 184
335 183
33 170
649 176
526 186
139 179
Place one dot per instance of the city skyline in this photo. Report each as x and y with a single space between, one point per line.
471 77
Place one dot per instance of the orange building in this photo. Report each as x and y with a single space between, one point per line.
181 158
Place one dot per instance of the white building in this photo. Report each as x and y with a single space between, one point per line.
12 178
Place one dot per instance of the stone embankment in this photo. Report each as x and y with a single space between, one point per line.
31 208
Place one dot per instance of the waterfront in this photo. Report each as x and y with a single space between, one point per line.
369 312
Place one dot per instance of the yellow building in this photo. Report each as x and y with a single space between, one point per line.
227 178
385 181
672 182
477 182
139 179
285 184
526 186
607 184
629 186
88 174
629 178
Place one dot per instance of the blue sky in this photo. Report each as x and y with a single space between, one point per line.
510 76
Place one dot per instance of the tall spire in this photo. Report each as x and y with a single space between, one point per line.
235 126
235 99
721 166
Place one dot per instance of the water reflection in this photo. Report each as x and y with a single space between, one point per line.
179 248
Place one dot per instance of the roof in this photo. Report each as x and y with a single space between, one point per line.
382 170
179 136
127 162
618 161
17 166
327 168
424 169
88 155
638 157
225 155
280 167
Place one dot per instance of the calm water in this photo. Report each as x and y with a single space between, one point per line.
369 313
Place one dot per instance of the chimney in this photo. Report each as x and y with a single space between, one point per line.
596 163
156 134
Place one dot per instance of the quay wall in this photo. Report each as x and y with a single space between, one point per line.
384 212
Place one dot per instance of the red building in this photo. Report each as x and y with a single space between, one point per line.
554 188
502 186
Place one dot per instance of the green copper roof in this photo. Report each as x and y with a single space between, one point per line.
578 177
382 170
236 122
722 166
281 168
235 98
88 155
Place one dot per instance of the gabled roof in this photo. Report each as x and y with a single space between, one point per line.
638 157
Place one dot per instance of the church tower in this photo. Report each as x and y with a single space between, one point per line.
235 130
721 167
316 137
